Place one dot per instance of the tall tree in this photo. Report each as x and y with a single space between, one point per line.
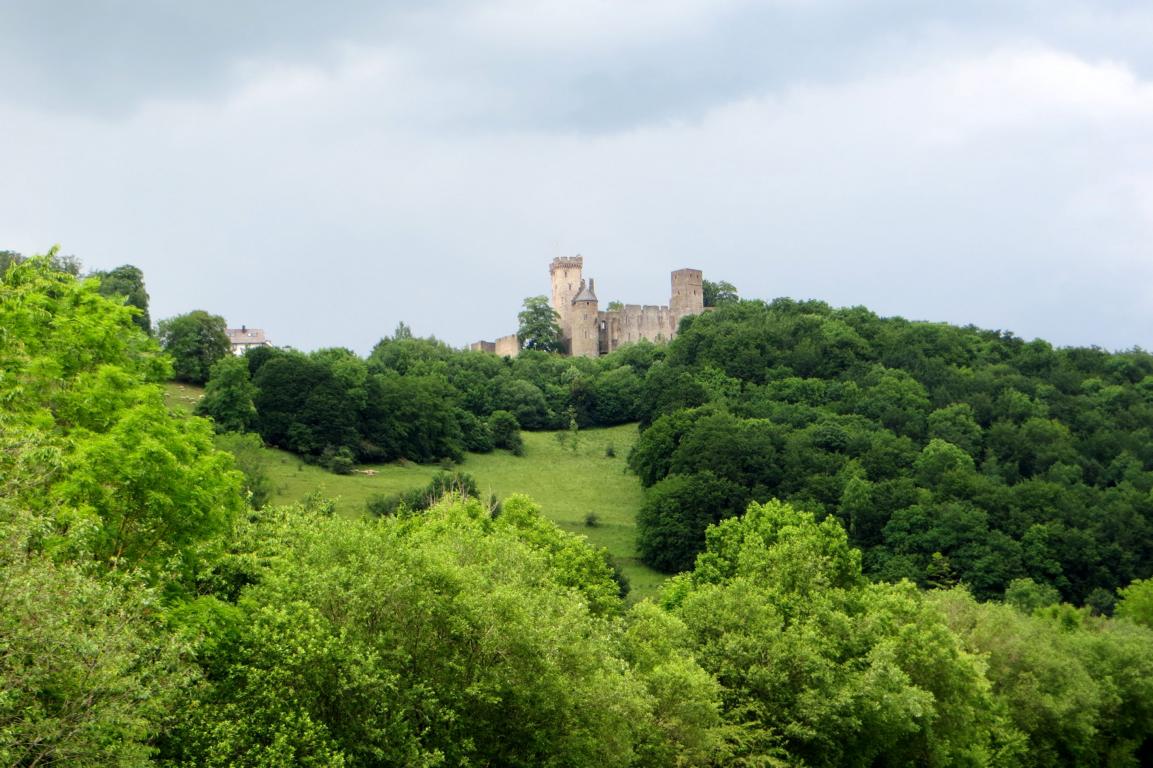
228 396
539 326
718 293
127 281
195 341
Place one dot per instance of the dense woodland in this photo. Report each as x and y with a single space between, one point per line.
149 615
950 455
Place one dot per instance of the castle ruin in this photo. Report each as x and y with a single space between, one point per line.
588 331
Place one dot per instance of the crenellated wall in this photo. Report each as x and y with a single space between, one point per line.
633 322
588 332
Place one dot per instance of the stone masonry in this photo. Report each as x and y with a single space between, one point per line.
589 331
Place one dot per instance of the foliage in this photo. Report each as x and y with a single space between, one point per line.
539 326
196 341
453 484
1136 602
1076 687
950 454
127 281
87 675
450 637
671 524
505 431
228 397
820 665
130 484
248 452
719 293
109 507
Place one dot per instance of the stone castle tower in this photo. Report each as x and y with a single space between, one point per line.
565 274
584 337
588 331
688 293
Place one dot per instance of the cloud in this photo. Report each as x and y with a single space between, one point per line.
939 168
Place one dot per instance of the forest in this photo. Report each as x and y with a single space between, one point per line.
894 544
950 455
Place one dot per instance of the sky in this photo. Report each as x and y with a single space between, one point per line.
326 171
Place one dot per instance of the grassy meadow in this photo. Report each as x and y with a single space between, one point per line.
575 486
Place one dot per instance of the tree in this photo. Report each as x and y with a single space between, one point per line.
505 431
819 666
1137 602
718 293
86 675
539 326
195 341
445 638
251 458
672 521
127 281
228 397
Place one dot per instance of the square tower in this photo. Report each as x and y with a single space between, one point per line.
565 272
688 294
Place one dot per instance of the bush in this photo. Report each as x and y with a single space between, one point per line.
383 504
477 434
338 460
505 430
442 484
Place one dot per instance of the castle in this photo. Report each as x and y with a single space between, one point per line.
588 331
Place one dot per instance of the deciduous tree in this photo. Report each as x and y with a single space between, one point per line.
195 341
539 326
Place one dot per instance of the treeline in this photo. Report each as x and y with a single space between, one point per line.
147 617
418 399
950 455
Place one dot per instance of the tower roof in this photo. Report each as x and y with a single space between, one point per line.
586 292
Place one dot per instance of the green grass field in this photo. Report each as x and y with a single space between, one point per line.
570 485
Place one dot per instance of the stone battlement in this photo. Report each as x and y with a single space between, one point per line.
566 262
588 331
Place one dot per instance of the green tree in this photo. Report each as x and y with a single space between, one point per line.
505 431
1136 602
719 293
228 396
412 417
539 326
676 511
87 675
196 341
822 668
251 458
446 638
127 281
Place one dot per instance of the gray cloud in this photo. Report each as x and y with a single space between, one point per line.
325 176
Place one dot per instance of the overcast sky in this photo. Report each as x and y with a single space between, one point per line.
324 171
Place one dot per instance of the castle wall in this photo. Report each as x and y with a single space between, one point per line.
507 346
634 322
585 332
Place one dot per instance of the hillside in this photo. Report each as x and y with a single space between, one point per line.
568 484
154 618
